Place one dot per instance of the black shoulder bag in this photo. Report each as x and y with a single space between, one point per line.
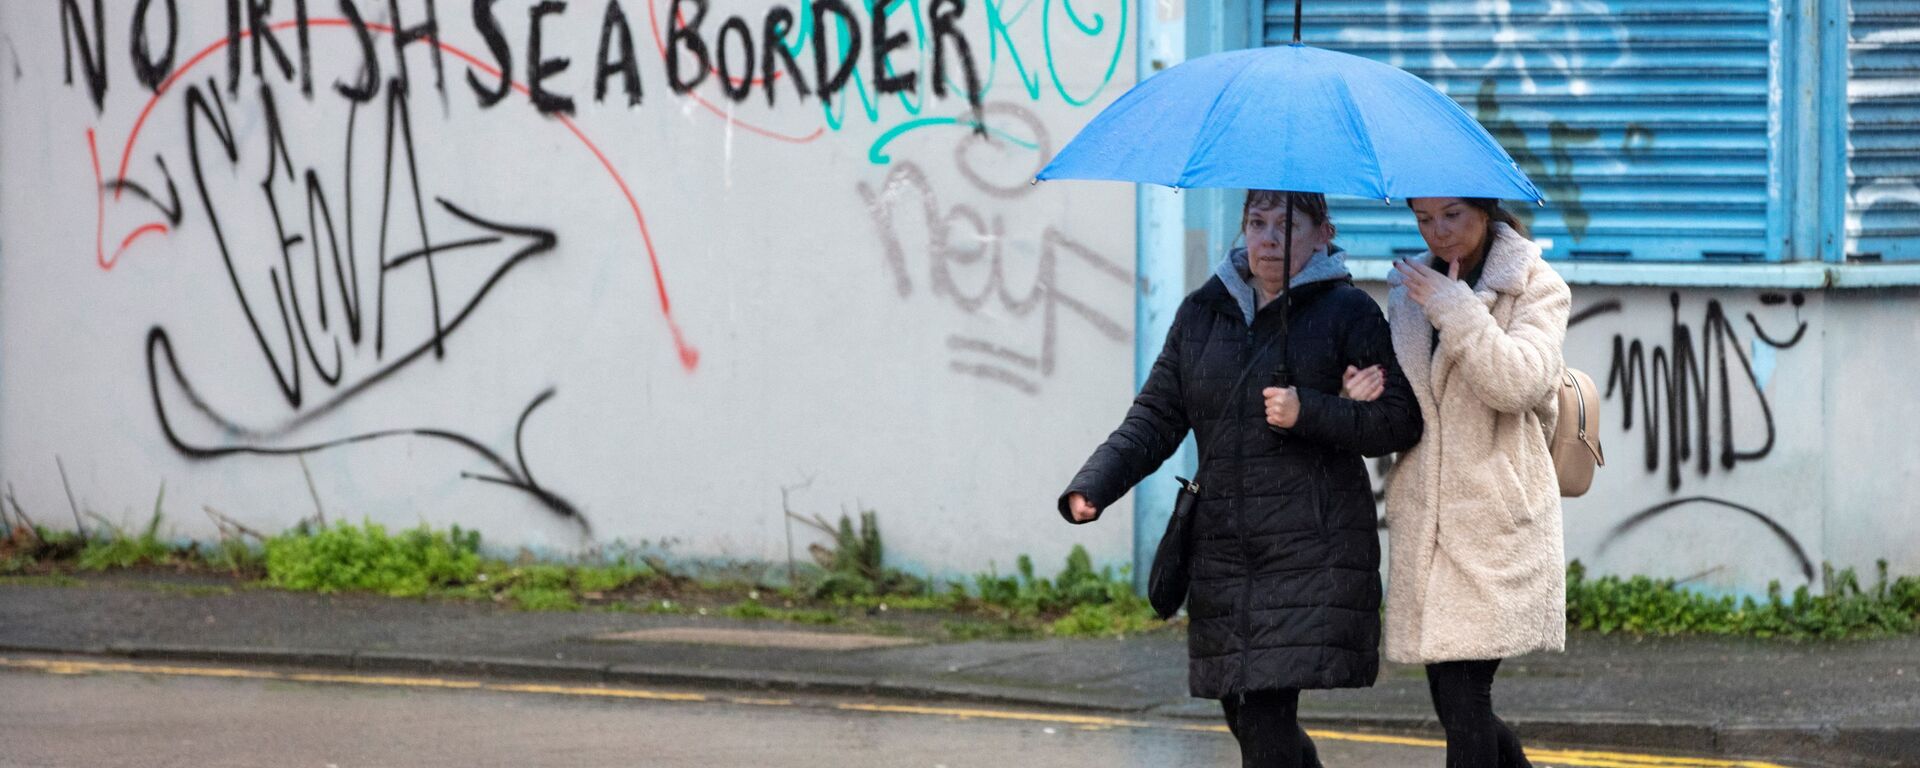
1172 572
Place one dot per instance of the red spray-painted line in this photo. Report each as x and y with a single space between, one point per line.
689 356
155 227
126 153
100 211
658 43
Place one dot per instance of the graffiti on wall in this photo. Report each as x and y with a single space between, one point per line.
966 246
285 312
1077 44
1685 392
1679 393
340 300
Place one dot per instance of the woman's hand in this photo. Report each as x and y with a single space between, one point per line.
1363 385
1283 406
1423 282
1081 510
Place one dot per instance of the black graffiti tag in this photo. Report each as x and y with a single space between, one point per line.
301 324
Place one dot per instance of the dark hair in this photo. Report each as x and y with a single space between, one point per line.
1491 207
1313 204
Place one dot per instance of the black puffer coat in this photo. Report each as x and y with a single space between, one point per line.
1286 558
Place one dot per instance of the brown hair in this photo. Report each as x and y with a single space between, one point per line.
1313 204
1491 207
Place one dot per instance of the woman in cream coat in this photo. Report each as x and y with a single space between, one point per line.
1477 567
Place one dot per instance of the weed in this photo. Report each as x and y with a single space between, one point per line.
1104 620
541 576
10 564
754 609
1076 584
349 557
605 578
969 629
234 556
535 598
802 616
747 609
857 564
117 549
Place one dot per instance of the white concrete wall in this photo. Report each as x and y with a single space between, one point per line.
867 296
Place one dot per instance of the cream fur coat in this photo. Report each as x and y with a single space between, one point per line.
1477 561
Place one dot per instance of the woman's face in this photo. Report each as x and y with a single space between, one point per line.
1452 228
1266 234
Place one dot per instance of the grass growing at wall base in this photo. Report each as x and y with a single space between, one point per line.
1642 606
121 550
858 590
853 587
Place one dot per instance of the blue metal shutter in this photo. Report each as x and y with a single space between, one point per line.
1644 121
1883 129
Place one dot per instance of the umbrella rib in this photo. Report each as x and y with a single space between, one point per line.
1204 134
1366 135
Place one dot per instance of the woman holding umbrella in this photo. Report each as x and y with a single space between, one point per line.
1473 512
1283 595
1285 590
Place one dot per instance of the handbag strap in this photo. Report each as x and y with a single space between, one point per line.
1232 392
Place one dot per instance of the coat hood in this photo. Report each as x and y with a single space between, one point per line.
1325 264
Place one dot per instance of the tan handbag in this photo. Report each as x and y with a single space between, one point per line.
1574 442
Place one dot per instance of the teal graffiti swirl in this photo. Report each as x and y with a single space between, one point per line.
1091 30
1001 48
878 156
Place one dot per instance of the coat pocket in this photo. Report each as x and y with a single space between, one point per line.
1513 493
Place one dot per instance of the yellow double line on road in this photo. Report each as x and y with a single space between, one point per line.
1546 757
1566 757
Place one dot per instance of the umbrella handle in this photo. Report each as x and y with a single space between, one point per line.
1282 377
1282 374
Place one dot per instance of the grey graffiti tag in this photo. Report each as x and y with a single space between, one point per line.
961 237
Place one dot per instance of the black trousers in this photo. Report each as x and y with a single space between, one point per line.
1266 723
1463 698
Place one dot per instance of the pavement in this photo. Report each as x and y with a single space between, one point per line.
1852 703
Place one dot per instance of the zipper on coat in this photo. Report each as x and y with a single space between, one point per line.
1246 545
1319 496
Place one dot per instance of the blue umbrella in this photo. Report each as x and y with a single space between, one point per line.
1298 118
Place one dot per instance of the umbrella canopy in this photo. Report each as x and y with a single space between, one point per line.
1298 118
